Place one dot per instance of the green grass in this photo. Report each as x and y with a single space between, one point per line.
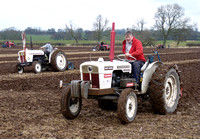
43 39
38 37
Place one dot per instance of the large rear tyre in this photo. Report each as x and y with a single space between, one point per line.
70 107
165 89
127 106
59 61
37 67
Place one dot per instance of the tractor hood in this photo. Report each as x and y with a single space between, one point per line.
100 72
102 66
28 55
34 52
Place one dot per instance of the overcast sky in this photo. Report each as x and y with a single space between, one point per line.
57 13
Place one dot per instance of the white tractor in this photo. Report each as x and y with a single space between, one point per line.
112 85
40 61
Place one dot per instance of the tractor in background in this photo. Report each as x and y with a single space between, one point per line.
9 44
39 61
101 47
111 83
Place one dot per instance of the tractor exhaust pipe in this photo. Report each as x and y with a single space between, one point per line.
112 42
24 44
31 43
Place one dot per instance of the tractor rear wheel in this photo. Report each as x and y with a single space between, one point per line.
127 106
70 107
20 69
165 89
59 61
37 67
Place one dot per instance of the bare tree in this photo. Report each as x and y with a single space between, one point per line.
138 29
139 25
72 30
168 18
100 26
142 34
182 32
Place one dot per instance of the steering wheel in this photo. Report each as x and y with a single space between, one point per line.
122 57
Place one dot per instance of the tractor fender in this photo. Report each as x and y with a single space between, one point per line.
51 54
147 75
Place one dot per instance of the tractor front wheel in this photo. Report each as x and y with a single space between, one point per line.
70 106
20 69
165 89
127 106
37 67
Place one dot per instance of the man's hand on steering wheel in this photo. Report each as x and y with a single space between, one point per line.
123 57
127 54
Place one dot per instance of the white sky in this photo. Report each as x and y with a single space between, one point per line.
57 13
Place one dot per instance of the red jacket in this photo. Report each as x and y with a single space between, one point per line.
136 49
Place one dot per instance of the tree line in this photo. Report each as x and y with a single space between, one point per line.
170 24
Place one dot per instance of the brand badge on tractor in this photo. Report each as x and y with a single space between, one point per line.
129 84
107 75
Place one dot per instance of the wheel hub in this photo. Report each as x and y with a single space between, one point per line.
74 105
61 62
170 91
130 106
37 67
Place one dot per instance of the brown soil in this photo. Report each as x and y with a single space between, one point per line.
30 103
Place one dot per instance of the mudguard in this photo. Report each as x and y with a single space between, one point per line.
51 54
147 75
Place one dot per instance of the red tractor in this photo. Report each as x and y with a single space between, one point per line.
8 44
101 47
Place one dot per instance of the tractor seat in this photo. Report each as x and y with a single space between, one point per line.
149 60
145 65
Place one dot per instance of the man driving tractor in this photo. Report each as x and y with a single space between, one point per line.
133 47
47 48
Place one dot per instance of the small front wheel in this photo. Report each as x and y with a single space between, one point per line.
37 67
70 106
20 69
127 106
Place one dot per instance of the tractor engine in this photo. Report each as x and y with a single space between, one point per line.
105 74
116 76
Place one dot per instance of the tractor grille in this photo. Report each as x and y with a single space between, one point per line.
22 57
94 79
86 76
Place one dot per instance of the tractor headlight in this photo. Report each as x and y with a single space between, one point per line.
90 68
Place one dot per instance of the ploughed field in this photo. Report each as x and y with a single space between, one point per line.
30 103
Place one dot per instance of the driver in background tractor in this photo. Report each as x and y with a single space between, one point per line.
133 47
47 48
